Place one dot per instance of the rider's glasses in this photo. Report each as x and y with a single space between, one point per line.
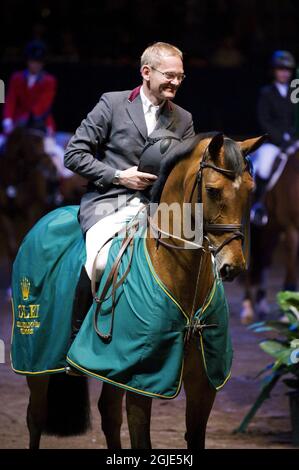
171 75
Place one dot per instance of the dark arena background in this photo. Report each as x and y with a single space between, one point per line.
94 47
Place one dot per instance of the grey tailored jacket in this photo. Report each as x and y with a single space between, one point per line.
112 137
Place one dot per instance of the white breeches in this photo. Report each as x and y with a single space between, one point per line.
56 152
263 160
102 231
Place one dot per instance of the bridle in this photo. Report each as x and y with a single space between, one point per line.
208 227
195 326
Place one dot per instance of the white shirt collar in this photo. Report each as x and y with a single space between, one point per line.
282 88
147 103
31 79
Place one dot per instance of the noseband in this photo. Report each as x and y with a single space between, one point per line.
235 229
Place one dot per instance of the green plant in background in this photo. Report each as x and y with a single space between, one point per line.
283 348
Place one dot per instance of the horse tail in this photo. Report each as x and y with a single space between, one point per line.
68 406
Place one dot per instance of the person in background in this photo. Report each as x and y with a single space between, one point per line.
276 116
30 94
29 101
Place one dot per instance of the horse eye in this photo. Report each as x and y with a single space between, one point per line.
213 193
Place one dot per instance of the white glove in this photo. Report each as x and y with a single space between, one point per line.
7 125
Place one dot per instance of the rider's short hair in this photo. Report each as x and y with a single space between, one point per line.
153 54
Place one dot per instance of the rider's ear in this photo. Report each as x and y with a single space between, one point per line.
251 145
215 146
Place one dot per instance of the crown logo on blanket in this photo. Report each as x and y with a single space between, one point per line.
25 287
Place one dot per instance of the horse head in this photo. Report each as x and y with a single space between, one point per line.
224 186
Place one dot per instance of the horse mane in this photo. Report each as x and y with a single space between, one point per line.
233 160
233 157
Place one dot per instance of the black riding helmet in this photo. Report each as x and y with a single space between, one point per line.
283 59
162 145
35 50
158 145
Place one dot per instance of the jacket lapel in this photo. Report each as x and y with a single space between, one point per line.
135 110
166 117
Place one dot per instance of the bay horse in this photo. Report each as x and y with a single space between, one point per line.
283 222
215 174
28 180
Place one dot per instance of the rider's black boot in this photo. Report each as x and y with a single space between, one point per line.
82 303
258 214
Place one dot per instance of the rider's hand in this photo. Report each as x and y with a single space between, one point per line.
134 179
7 125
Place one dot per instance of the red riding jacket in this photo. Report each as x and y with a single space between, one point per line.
37 100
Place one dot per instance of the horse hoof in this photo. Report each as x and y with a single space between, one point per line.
247 313
262 309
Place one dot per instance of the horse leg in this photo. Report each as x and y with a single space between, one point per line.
253 275
139 418
262 306
291 252
37 408
199 398
247 312
110 408
270 238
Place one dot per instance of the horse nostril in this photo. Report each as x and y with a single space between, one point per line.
224 270
228 272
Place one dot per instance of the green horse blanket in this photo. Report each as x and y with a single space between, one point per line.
45 273
147 349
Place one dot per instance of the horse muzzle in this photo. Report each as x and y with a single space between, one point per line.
228 272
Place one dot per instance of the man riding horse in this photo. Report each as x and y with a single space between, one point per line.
276 115
118 127
174 318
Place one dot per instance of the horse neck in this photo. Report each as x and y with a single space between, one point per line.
188 274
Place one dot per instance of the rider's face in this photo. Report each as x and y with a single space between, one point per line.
282 75
159 87
34 66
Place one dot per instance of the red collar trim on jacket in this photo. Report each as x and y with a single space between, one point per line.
136 92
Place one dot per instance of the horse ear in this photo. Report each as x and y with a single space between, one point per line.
251 145
215 146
